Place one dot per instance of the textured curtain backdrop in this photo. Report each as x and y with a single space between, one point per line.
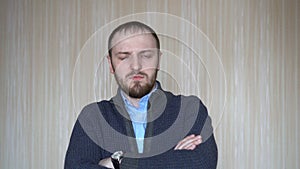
240 56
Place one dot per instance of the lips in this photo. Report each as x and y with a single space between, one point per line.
137 77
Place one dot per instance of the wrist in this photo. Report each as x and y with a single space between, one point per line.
116 159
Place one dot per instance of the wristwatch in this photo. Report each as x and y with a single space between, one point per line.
116 158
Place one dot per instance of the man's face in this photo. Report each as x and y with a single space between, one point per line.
134 62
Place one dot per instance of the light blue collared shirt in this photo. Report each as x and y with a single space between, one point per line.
138 117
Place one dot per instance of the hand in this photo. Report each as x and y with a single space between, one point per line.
106 162
189 143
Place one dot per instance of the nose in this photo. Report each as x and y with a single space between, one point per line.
135 63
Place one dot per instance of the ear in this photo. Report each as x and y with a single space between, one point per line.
111 67
159 57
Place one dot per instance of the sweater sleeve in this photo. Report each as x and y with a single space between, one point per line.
204 156
82 152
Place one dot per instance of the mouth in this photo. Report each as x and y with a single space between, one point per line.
137 77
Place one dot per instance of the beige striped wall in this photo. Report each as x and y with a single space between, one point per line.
240 56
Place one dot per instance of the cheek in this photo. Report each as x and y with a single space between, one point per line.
151 64
122 71
150 72
121 67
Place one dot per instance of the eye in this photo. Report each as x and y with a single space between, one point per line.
147 55
123 57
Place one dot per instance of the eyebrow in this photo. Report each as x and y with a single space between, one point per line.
140 52
123 53
145 51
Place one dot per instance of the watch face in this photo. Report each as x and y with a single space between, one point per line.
117 155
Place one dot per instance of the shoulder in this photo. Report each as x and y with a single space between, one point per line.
92 111
194 112
94 107
89 109
191 102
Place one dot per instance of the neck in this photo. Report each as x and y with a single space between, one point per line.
133 101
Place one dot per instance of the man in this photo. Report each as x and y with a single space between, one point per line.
143 126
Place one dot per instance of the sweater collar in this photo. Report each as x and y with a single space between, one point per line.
157 98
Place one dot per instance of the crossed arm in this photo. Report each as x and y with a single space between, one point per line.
83 153
188 143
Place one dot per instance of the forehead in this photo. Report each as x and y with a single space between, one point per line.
128 40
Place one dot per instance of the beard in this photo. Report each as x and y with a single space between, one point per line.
137 90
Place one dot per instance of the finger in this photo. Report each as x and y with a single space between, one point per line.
193 145
198 140
184 140
192 142
185 143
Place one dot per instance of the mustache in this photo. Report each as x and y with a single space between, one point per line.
136 73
